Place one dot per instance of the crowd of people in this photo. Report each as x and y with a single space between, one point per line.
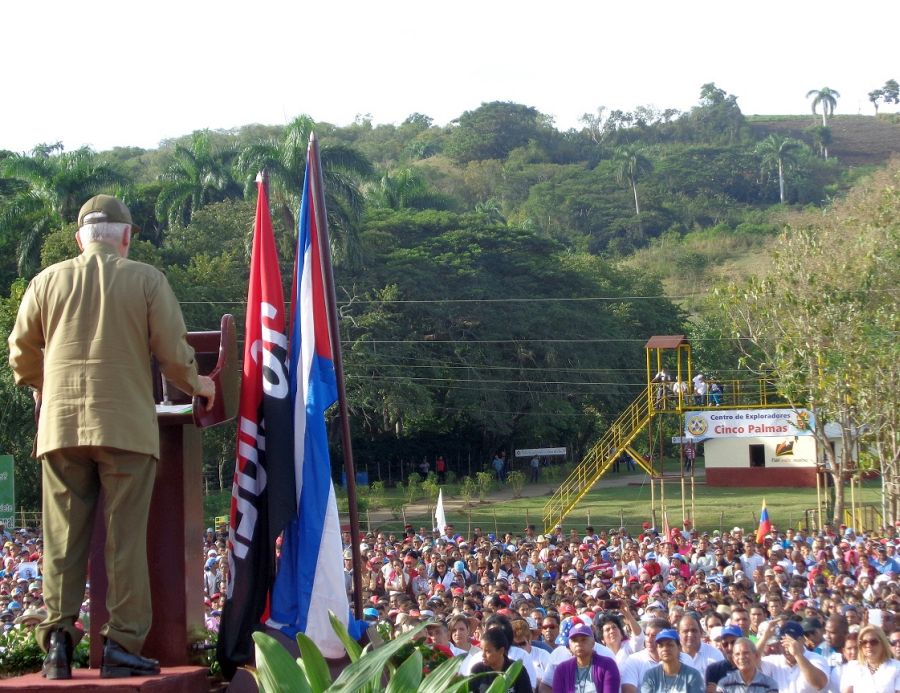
606 612
21 582
689 611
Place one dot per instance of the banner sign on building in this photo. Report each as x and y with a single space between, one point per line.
541 452
748 423
7 491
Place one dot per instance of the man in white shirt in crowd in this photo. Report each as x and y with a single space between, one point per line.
700 654
796 670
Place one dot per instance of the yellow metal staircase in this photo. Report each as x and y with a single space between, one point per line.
599 459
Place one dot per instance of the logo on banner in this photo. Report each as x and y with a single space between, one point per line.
802 421
697 426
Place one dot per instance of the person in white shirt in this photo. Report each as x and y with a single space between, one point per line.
612 634
875 670
796 670
701 655
638 664
750 560
522 639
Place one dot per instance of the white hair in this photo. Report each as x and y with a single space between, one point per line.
105 231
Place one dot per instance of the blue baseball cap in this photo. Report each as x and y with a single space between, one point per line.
668 634
792 628
731 631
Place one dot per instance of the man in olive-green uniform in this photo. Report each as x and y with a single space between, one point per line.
83 340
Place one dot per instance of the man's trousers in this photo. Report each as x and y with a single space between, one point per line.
72 479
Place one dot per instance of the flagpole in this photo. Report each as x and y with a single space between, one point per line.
318 191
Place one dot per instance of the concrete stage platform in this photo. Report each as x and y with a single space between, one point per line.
185 679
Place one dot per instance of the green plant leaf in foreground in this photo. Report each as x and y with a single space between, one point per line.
276 671
440 680
371 666
354 651
408 675
313 663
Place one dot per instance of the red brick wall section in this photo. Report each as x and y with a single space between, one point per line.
761 477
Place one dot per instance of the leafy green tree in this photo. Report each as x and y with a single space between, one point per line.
821 322
64 180
56 184
631 166
875 96
493 130
821 138
343 168
717 119
891 91
444 336
199 174
406 189
827 99
17 427
777 152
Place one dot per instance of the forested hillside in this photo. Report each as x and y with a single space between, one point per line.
497 277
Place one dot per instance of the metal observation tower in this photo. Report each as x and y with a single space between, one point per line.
658 399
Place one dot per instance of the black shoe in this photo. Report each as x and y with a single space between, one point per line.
58 662
119 663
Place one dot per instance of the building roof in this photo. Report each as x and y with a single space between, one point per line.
665 341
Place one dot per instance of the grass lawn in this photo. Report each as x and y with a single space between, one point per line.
716 508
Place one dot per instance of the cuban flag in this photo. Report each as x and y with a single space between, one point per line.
765 525
310 579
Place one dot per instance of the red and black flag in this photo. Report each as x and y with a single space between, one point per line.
263 498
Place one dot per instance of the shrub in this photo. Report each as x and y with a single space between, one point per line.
412 487
467 490
516 479
20 653
431 489
376 495
485 482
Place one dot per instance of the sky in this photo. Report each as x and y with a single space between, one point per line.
130 73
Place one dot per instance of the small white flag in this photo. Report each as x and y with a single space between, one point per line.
440 518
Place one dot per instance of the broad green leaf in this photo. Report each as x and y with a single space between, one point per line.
369 668
276 671
354 651
314 663
408 675
505 681
439 680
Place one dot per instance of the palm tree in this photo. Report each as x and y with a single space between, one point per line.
52 186
406 189
631 164
777 152
825 97
343 170
199 174
64 180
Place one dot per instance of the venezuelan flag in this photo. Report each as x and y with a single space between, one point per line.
765 525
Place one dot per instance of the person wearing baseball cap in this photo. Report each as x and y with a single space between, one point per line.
83 340
795 668
671 674
587 665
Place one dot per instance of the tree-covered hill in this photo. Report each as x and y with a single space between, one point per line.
497 276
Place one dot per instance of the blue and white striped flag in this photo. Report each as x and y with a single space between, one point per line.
310 579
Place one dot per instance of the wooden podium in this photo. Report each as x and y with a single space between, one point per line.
175 531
